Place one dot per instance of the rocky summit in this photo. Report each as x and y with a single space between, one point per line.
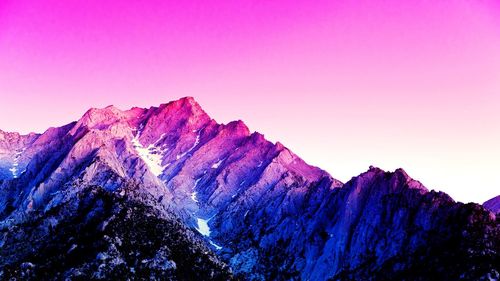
167 193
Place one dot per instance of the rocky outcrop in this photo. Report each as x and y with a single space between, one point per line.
227 196
102 235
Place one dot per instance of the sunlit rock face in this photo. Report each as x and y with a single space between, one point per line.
146 192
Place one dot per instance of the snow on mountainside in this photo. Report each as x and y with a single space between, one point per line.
262 212
13 158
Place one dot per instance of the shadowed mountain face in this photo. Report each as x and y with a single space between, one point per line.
493 204
104 235
168 193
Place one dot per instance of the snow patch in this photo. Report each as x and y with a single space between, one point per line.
216 165
215 245
15 163
196 182
193 194
151 155
193 197
203 227
13 170
159 139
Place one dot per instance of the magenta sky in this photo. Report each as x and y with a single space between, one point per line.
345 84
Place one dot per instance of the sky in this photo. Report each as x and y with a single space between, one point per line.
344 84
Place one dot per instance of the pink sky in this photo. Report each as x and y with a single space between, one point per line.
344 84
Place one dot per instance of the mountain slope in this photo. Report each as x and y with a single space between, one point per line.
493 204
12 147
104 235
256 204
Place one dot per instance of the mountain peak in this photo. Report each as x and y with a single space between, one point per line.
396 180
98 116
183 108
184 103
110 109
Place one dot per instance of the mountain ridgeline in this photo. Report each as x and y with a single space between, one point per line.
167 193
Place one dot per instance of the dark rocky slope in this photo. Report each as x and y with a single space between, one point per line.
102 235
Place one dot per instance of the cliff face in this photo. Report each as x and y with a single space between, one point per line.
378 226
389 227
225 196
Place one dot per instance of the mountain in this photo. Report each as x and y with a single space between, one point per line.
493 204
168 193
11 151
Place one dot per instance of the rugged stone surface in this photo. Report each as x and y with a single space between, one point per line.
493 204
102 235
13 156
261 209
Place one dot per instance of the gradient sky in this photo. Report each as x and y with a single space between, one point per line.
344 84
